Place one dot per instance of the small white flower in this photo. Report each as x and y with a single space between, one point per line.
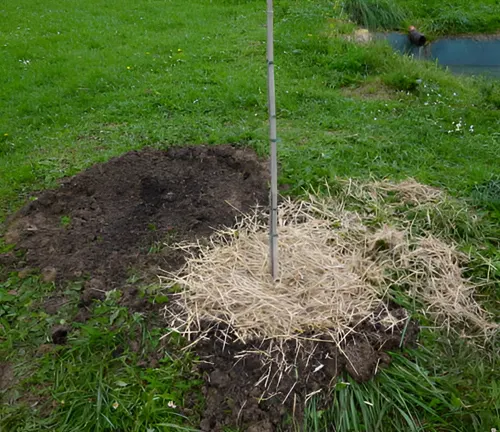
375 119
454 94
115 405
171 404
426 103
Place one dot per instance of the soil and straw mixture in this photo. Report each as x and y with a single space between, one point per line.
263 385
265 348
279 343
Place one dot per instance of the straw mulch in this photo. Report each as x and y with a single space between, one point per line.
336 268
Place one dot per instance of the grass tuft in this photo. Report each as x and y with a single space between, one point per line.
414 395
375 14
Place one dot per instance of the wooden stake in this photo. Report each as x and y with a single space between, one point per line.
273 222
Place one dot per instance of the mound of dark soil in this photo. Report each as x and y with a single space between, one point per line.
233 369
103 221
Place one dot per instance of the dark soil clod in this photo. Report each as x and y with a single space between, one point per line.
59 335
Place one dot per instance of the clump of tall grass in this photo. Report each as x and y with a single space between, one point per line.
396 401
375 14
488 194
427 389
491 92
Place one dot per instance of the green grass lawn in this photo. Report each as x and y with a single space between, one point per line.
82 81
434 17
86 80
454 17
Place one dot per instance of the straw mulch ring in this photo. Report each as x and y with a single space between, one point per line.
275 344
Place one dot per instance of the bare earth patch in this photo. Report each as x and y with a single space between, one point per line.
104 220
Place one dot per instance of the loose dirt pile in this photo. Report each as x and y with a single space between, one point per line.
101 223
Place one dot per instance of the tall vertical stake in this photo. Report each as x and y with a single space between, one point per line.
273 225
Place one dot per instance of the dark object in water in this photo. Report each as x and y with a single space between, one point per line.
416 38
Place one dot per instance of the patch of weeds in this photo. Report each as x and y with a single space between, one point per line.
340 27
65 221
488 195
5 248
168 238
375 14
175 289
402 81
23 320
420 390
453 20
155 294
113 373
156 247
491 92
106 390
134 276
